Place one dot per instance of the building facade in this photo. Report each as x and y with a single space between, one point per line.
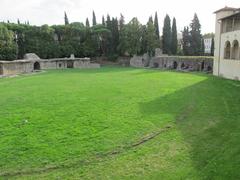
227 39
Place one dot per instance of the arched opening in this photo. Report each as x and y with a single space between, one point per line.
227 50
209 68
182 66
155 65
235 50
36 66
70 64
202 66
175 65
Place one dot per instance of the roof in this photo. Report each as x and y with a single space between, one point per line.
226 9
232 15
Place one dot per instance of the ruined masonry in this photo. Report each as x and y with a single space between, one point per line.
32 62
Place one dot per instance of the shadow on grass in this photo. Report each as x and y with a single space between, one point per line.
208 117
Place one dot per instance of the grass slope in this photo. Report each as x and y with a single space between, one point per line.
119 123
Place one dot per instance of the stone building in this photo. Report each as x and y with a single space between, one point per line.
33 63
227 39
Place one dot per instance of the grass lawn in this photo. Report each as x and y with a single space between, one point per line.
119 123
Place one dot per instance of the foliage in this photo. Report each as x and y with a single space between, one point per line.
166 39
111 38
94 20
8 48
66 19
174 40
196 37
212 47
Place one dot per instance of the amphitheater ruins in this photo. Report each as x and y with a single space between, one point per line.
181 63
32 62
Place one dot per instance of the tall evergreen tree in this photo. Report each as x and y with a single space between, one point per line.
174 40
66 18
150 19
166 39
18 21
87 23
121 22
94 20
156 26
195 31
103 21
212 47
202 47
151 38
186 42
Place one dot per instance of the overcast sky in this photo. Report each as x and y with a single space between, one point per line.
50 12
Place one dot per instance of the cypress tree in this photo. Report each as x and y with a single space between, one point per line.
156 26
66 19
103 21
174 41
151 38
202 47
195 31
212 47
94 21
186 42
87 23
121 22
18 21
166 39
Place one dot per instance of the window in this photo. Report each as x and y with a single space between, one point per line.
235 50
227 50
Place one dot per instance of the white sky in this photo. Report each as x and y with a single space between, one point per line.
50 12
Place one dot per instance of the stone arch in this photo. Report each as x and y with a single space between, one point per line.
182 66
202 66
36 66
209 68
235 50
175 65
227 50
155 65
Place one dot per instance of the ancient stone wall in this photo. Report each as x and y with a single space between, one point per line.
187 63
140 61
16 67
184 63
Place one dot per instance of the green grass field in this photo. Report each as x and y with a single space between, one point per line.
119 123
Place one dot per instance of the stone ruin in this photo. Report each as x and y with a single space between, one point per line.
180 63
32 62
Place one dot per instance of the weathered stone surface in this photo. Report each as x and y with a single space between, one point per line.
183 63
140 61
33 63
31 56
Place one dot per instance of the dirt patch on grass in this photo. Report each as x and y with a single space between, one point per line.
95 159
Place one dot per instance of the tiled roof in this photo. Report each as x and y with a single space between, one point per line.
226 9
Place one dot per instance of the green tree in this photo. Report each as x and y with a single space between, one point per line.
212 47
166 39
151 38
196 37
66 18
94 20
187 49
156 26
174 40
87 23
103 21
8 49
